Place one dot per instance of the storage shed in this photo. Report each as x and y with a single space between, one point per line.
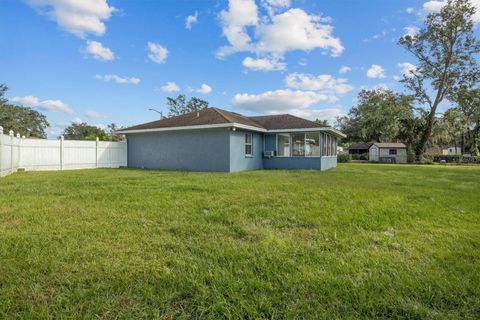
391 152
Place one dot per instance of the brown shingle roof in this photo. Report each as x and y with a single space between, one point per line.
284 121
203 117
209 116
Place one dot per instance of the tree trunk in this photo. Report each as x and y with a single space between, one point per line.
475 140
426 134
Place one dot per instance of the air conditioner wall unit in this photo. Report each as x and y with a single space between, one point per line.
269 153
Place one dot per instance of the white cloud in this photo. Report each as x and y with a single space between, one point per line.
296 30
191 20
406 69
92 114
324 83
280 101
376 72
170 87
99 52
380 35
303 62
263 64
77 120
204 89
437 5
118 79
240 15
157 53
344 69
276 34
273 6
79 17
410 31
434 5
48 105
410 10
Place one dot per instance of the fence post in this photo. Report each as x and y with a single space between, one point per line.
19 143
11 151
61 152
1 149
96 152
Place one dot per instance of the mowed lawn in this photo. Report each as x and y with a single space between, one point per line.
359 241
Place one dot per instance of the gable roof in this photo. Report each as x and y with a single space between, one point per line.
207 116
391 145
285 121
217 118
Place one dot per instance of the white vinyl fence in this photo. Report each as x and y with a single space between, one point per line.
39 154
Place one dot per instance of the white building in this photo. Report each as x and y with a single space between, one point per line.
391 152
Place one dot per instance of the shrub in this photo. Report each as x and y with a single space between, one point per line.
361 156
344 157
457 159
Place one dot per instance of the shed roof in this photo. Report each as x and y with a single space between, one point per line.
394 145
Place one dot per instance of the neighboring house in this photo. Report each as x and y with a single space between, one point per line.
218 140
359 148
388 152
454 151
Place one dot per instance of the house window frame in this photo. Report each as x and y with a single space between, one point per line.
248 155
394 153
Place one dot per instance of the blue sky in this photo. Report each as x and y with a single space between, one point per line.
104 61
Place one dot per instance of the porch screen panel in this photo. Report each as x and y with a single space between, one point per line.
298 144
312 145
324 144
283 145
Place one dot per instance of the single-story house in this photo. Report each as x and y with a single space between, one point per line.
218 140
391 152
359 148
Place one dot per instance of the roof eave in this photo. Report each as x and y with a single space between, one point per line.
233 125
195 127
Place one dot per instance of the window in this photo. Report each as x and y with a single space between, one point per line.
392 152
283 145
298 144
312 145
248 144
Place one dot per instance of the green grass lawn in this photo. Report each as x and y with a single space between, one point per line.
359 241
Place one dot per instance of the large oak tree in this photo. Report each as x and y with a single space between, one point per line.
445 49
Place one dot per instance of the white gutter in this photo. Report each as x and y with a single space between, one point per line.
232 125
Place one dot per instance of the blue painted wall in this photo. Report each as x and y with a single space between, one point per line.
292 163
212 150
270 142
238 160
193 150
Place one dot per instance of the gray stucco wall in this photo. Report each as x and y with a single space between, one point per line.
238 160
193 150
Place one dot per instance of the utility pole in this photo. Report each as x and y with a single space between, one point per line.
159 112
